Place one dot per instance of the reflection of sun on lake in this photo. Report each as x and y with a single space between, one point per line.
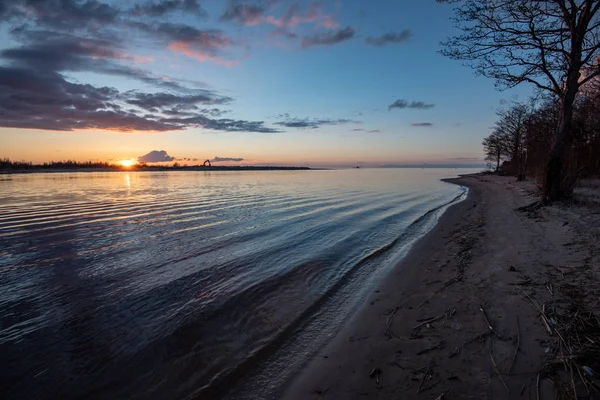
127 163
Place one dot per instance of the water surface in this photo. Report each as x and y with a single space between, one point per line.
192 284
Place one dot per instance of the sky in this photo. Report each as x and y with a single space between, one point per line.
273 82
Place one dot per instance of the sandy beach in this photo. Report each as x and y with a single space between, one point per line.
478 309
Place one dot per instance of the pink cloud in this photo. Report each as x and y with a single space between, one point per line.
202 56
142 59
330 23
292 18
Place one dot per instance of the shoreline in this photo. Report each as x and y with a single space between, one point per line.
449 320
313 374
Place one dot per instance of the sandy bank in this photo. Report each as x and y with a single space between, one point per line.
455 320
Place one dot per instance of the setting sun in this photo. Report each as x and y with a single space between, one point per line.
127 163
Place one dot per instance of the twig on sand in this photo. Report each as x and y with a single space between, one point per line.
443 395
498 372
522 389
487 321
541 309
517 349
430 386
390 319
423 379
444 286
545 320
427 322
434 347
454 353
375 373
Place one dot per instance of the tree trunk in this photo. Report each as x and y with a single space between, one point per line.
516 158
555 186
553 183
497 161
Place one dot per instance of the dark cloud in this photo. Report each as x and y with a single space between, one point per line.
210 39
390 38
60 14
226 124
151 101
46 100
55 51
374 131
242 13
155 156
225 159
162 7
37 100
402 104
328 38
65 36
304 123
186 110
422 124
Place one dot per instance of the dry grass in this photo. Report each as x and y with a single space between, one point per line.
574 352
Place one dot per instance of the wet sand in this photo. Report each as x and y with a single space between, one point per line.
451 321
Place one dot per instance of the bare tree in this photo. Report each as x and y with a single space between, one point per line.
547 43
511 126
495 147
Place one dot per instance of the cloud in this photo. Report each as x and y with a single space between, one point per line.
465 159
56 38
155 156
226 159
328 38
56 51
202 56
46 100
225 124
162 100
364 130
163 7
207 39
402 104
59 14
294 17
422 124
244 14
304 123
202 45
390 38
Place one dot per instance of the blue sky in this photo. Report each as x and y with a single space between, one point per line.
272 82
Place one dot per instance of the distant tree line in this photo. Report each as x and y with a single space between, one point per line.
7 164
523 135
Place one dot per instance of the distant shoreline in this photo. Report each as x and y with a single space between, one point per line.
155 169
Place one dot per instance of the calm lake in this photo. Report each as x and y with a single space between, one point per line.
177 285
